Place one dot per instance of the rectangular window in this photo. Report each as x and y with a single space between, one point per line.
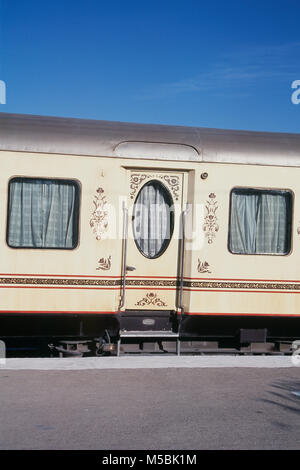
42 213
260 221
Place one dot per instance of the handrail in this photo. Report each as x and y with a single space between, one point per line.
124 255
182 253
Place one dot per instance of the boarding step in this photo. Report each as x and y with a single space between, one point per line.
148 335
158 320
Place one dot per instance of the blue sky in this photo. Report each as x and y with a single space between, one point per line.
213 64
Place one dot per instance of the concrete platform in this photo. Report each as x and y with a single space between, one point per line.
151 361
151 409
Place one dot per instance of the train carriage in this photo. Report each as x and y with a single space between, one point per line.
108 225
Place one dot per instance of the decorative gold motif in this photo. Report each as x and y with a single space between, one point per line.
242 285
211 226
151 299
99 219
172 181
60 281
135 181
203 267
152 283
104 263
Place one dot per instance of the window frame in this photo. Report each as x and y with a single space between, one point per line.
77 209
167 241
255 190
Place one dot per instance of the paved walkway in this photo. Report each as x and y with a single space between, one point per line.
201 407
149 362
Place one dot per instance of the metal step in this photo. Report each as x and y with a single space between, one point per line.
149 334
146 320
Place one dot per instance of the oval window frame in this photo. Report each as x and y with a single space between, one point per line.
166 241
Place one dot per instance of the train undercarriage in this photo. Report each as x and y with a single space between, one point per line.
144 332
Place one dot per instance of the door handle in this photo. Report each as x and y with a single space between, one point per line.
130 268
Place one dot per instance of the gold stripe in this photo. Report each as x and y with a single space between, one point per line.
61 282
242 285
151 283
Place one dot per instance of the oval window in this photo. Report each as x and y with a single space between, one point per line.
153 219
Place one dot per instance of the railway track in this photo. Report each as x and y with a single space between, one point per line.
41 347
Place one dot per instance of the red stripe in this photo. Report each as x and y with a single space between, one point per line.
235 279
58 287
148 277
245 291
155 277
242 314
114 313
58 275
76 312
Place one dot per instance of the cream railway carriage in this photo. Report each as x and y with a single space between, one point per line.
159 228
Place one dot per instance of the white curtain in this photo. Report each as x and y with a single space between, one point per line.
41 214
152 219
259 222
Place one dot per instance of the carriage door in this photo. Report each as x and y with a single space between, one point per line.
153 246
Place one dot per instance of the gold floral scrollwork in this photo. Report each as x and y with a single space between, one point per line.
203 267
151 299
211 226
171 181
135 181
104 263
99 218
